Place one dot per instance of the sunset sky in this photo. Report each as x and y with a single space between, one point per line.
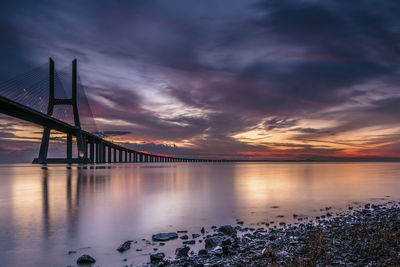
219 79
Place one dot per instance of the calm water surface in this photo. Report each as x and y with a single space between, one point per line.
46 213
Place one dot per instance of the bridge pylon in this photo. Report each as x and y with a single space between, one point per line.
77 131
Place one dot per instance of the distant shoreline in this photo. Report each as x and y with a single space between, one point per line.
336 160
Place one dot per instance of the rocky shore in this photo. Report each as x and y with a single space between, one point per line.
368 236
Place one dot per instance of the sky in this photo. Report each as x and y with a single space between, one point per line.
257 79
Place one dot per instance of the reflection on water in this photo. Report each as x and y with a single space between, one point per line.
44 213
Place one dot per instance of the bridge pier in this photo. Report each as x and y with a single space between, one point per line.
69 148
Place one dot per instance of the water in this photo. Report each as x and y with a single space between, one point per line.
46 213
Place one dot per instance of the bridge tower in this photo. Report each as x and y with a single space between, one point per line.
77 131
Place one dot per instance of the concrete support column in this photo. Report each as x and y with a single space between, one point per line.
85 148
69 148
97 152
103 150
109 154
92 150
120 156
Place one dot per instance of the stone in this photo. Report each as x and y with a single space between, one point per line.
203 252
182 251
164 236
189 242
226 242
226 250
184 237
157 257
227 230
125 246
195 235
202 230
85 259
210 242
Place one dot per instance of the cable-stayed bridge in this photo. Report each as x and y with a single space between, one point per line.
35 96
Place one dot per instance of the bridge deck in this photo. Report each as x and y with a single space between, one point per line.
14 109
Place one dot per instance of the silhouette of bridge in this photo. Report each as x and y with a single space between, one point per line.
24 97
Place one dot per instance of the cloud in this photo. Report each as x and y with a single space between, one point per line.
194 74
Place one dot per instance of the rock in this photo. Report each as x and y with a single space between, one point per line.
184 237
210 242
227 230
189 242
203 252
164 236
226 250
71 252
156 258
125 246
182 231
226 242
85 259
240 222
202 230
182 252
195 235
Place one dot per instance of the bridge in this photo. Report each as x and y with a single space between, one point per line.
91 148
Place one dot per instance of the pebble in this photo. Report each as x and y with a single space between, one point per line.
85 259
164 236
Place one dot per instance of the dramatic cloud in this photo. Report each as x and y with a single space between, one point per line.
235 79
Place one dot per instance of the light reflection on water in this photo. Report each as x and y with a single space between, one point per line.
44 213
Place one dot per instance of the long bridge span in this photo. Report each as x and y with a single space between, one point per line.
91 148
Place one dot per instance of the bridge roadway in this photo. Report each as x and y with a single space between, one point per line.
96 149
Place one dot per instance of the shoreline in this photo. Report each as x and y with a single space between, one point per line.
359 237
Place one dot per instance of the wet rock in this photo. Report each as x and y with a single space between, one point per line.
189 242
85 259
210 243
164 236
227 230
240 222
125 246
195 235
157 257
226 250
202 230
182 231
184 237
203 252
71 252
182 252
226 242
